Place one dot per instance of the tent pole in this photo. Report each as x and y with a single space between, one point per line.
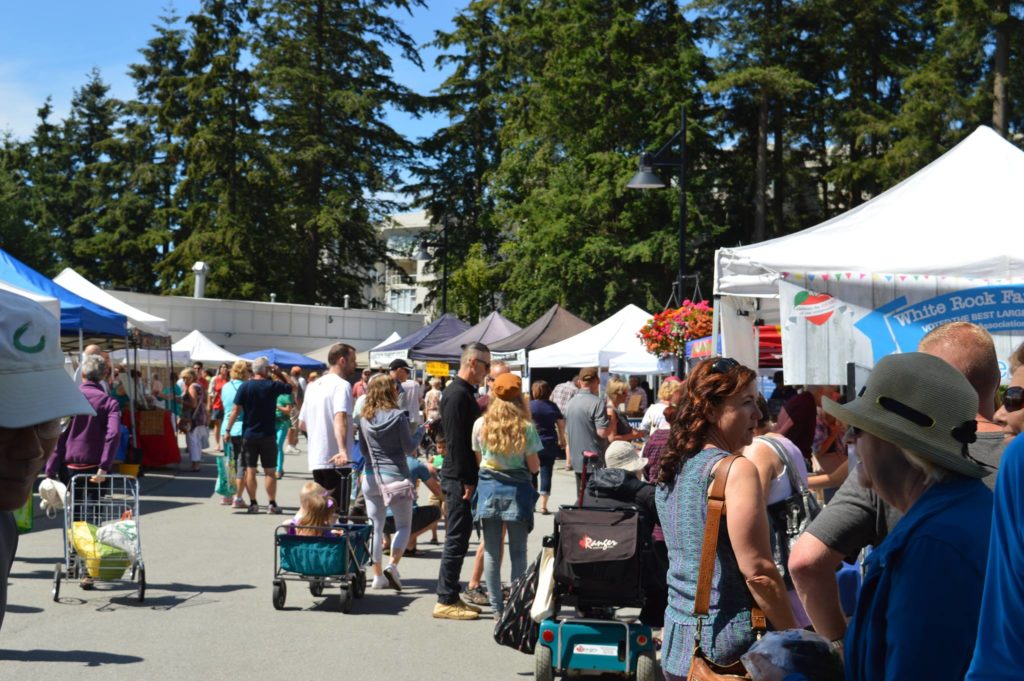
131 400
715 312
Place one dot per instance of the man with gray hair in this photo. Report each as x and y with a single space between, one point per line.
257 400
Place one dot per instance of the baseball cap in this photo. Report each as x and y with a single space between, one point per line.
34 387
508 387
399 364
588 374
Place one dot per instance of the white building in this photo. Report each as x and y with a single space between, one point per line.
402 287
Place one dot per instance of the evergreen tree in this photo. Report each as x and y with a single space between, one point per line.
50 173
227 193
17 234
326 81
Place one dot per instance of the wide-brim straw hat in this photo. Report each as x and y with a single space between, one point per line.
921 403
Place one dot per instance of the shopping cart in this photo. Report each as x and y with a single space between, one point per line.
101 532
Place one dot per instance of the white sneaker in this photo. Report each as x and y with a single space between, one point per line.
379 582
392 576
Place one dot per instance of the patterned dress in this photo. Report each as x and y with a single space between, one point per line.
682 508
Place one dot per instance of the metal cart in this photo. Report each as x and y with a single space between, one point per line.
88 508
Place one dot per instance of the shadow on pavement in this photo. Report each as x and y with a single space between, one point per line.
89 658
22 609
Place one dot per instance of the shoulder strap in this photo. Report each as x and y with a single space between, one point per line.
716 503
796 483
716 506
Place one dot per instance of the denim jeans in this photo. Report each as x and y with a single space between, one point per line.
547 467
457 530
517 534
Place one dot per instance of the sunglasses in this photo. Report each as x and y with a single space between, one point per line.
724 365
487 365
1013 398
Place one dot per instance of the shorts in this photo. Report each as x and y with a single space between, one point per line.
216 414
422 517
260 451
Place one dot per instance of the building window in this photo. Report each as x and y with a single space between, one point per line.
402 300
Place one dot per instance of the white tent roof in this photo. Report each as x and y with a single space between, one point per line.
961 215
613 343
202 349
362 357
79 285
52 305
158 357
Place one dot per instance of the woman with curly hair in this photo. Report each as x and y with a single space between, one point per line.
718 419
386 440
506 445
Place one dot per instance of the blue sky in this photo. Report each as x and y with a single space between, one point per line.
47 47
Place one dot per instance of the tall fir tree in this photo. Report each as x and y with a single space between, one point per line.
18 236
50 173
326 81
227 194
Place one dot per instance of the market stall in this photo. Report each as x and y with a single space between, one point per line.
199 348
554 325
285 359
362 356
438 331
491 328
942 245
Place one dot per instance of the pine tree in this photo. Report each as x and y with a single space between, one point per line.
50 173
325 80
227 194
17 235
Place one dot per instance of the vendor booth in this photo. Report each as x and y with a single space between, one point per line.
441 329
613 343
554 325
362 356
491 328
199 348
943 245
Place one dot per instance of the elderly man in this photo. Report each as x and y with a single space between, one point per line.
327 419
459 411
586 422
256 400
359 389
856 517
35 392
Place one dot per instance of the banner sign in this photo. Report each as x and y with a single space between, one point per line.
438 369
699 348
517 357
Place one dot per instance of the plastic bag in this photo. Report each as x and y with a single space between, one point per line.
225 486
544 600
23 516
121 534
781 653
101 560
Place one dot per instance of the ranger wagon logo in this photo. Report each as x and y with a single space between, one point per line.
597 544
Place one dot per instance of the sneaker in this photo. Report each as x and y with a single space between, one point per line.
476 596
225 501
238 503
470 607
379 582
455 611
273 508
254 507
391 574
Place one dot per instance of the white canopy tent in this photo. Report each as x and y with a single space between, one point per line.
953 226
613 343
51 304
201 349
362 357
143 321
150 357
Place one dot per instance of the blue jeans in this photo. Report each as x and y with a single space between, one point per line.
517 534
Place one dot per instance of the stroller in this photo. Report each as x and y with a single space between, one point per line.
598 568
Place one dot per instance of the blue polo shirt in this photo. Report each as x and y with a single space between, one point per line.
919 604
999 651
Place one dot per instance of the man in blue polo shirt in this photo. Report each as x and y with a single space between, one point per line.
257 400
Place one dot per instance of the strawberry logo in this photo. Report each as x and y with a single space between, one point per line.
817 308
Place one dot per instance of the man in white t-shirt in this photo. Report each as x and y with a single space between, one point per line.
410 397
326 417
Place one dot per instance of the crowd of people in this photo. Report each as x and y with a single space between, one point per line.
917 480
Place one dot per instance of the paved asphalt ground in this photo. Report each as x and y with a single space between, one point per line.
208 612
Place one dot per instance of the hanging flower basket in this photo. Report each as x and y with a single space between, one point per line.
666 333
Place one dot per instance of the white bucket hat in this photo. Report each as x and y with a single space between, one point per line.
623 455
921 403
34 387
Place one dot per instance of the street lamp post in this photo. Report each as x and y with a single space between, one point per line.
425 255
646 178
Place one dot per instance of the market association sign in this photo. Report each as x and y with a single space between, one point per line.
899 327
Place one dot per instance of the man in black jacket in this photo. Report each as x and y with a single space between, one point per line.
459 410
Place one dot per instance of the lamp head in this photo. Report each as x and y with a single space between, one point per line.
646 178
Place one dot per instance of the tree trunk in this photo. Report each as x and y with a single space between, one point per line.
1000 99
761 171
778 173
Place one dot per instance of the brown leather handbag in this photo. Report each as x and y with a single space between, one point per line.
702 668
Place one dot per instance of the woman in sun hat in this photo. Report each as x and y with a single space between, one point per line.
918 608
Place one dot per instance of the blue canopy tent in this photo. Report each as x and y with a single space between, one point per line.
286 360
79 318
441 329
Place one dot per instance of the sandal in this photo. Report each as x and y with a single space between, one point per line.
412 553
196 468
